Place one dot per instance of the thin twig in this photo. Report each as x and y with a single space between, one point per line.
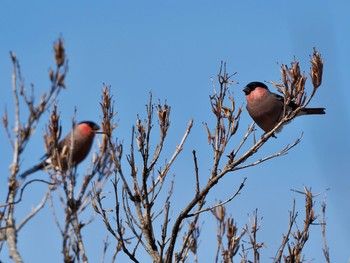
221 203
280 153
173 157
323 227
292 217
196 171
36 209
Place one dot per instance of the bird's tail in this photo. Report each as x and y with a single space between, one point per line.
37 167
313 111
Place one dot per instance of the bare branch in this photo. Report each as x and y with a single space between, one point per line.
323 226
22 191
251 231
196 171
292 217
173 157
280 153
221 203
36 209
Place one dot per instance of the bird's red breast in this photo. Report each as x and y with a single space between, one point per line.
257 94
85 130
83 135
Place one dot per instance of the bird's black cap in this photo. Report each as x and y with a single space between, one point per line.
252 85
92 125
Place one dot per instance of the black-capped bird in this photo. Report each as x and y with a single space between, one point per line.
266 108
83 134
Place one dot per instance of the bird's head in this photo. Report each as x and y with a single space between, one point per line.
252 86
88 127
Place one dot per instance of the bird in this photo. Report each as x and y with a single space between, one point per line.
266 108
83 134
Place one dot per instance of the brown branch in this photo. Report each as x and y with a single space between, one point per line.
105 247
77 227
22 191
244 139
11 231
36 209
164 236
14 167
55 215
301 236
323 227
252 234
145 216
196 171
292 217
119 227
221 203
178 149
280 153
181 256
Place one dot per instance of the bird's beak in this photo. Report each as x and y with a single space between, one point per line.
100 132
246 90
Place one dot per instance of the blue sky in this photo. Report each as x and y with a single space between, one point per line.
173 48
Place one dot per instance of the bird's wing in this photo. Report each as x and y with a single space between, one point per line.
278 97
281 98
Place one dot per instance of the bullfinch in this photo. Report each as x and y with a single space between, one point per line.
266 108
83 134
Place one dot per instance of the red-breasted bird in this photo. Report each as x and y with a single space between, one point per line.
83 134
266 108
